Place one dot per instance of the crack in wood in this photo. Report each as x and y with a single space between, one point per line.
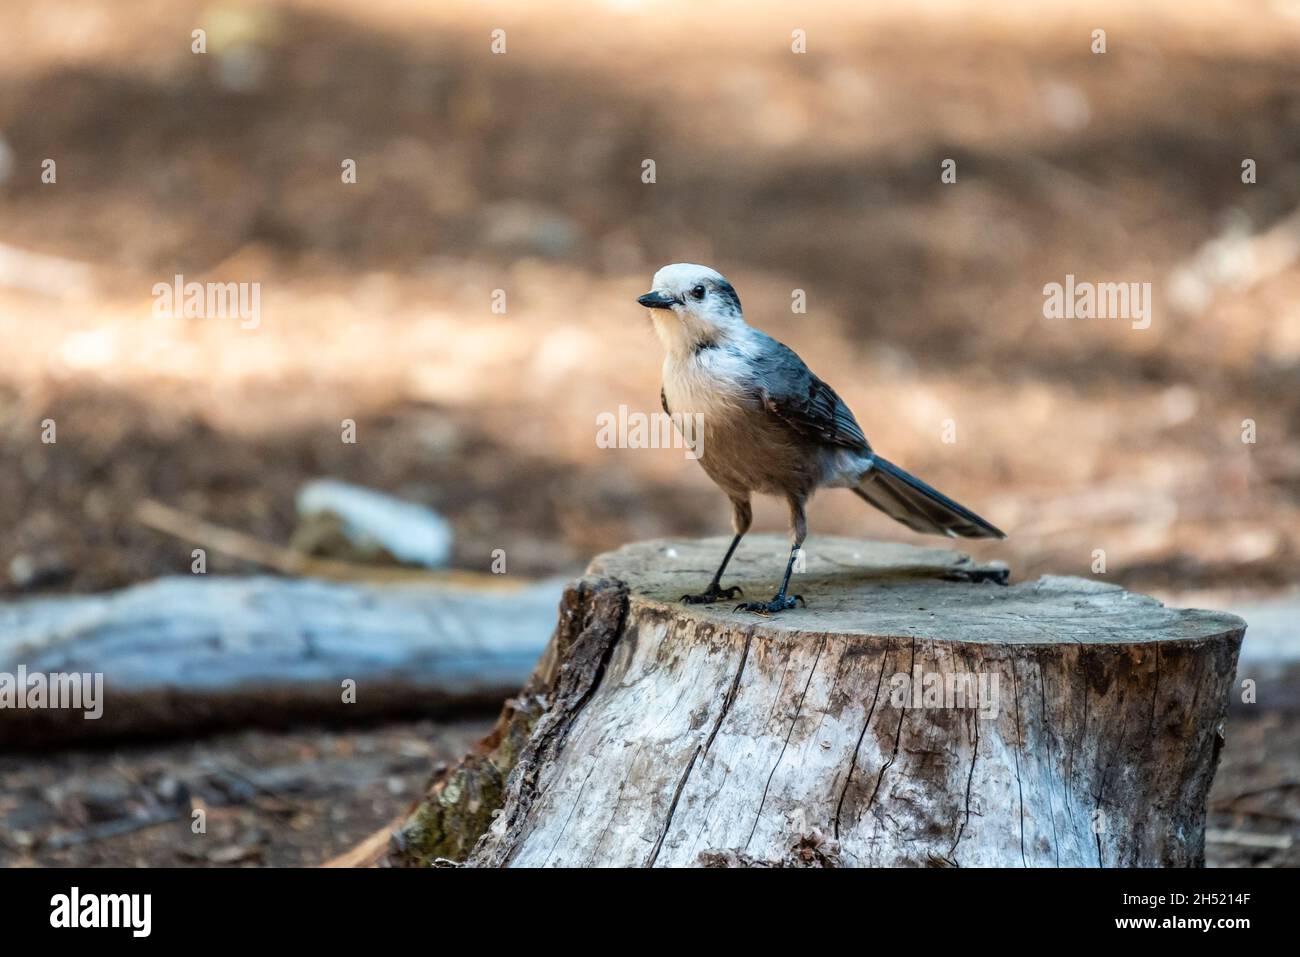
727 702
1101 787
793 721
1020 744
1052 769
970 777
672 807
898 737
853 761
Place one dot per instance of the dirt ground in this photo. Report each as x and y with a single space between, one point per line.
269 800
522 172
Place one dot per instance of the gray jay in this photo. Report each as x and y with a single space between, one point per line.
771 426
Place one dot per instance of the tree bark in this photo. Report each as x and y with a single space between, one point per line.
660 734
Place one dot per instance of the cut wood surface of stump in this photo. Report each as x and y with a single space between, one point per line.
916 713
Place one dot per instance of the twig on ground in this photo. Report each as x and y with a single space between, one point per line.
227 541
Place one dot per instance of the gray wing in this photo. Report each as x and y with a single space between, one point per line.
788 389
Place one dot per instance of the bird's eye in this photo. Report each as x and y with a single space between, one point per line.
697 292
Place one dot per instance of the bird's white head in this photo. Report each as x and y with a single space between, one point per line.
693 307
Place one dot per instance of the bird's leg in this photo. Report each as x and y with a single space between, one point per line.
715 592
780 601
741 516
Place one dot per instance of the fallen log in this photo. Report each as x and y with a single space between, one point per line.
915 713
186 654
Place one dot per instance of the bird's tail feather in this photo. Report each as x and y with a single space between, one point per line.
905 498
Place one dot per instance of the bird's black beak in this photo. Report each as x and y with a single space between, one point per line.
657 300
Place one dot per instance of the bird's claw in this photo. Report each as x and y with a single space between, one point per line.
712 594
779 603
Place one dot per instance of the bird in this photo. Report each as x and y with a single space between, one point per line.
768 425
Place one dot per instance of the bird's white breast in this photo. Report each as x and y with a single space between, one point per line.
711 383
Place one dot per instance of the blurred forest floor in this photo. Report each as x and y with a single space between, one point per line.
301 798
522 172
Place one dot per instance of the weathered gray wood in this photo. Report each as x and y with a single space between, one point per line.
707 736
188 652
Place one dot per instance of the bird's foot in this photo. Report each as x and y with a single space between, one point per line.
711 594
779 603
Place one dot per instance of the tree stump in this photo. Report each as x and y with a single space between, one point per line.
916 713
